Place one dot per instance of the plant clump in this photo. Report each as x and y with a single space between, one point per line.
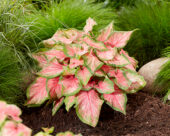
11 123
10 77
151 17
79 70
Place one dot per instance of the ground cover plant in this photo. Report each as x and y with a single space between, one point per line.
11 123
152 20
79 70
67 14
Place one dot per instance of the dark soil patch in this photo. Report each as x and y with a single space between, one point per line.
146 116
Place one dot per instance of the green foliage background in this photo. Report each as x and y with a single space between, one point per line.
15 31
67 14
152 20
10 77
163 77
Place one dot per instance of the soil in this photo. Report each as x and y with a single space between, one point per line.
146 116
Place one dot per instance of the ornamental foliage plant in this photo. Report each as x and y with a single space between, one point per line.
11 123
85 72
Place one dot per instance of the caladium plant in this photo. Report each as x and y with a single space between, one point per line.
48 131
79 70
10 123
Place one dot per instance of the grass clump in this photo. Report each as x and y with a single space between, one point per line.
117 3
14 29
152 19
68 14
163 77
15 43
10 77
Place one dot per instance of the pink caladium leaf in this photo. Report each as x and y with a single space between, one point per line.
105 87
71 50
54 88
105 32
106 55
94 44
88 107
70 85
89 86
137 81
2 118
51 70
84 75
133 62
56 105
118 61
110 71
53 53
75 62
49 43
69 102
42 61
11 128
119 39
68 71
37 93
99 73
75 50
92 62
89 25
2 112
106 68
9 111
63 36
117 100
121 80
13 112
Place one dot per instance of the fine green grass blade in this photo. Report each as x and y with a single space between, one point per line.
68 14
10 77
152 20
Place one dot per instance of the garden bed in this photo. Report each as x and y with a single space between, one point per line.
146 116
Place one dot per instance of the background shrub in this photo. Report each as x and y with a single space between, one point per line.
152 20
14 29
68 14
163 77
10 77
117 3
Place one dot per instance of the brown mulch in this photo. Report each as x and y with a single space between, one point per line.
146 116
